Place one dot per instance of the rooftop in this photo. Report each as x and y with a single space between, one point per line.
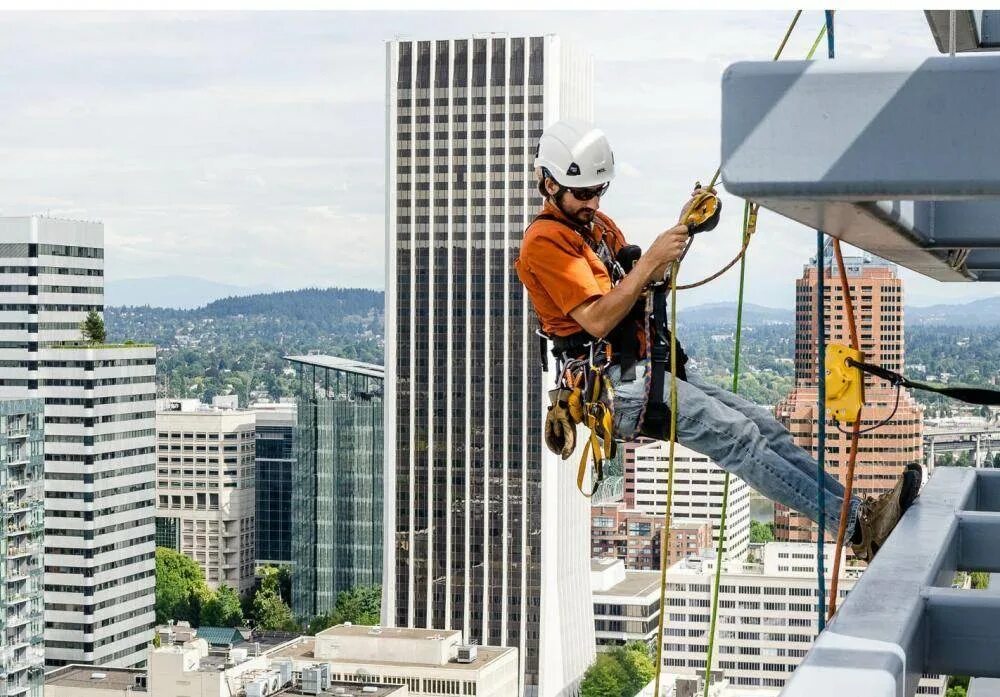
82 677
340 688
302 650
347 630
635 583
342 364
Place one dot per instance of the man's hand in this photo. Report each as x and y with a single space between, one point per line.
666 249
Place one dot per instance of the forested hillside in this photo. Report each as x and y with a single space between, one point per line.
237 344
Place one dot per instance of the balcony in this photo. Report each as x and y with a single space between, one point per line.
903 618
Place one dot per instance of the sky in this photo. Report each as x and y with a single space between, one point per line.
248 148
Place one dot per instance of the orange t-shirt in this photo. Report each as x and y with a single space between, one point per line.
560 271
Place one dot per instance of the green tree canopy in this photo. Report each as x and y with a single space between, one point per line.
761 532
359 605
92 328
223 609
180 587
269 610
621 672
604 678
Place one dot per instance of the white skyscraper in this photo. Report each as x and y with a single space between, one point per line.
698 488
99 404
485 531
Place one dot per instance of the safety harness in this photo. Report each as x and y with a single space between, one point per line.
583 392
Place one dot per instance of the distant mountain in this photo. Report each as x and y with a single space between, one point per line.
724 313
180 292
978 313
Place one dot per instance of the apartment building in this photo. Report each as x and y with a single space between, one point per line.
205 490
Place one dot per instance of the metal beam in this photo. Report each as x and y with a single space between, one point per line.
963 632
862 131
966 29
876 645
901 161
978 533
975 30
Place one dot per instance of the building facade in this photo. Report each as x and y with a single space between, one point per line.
481 536
275 461
337 483
698 488
767 615
99 441
635 537
877 292
205 491
626 604
22 503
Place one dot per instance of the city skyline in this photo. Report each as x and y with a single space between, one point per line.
196 137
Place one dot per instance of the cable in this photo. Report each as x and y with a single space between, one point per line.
715 177
883 422
710 649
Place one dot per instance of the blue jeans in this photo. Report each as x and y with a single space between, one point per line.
742 438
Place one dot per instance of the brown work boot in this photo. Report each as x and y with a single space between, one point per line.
877 517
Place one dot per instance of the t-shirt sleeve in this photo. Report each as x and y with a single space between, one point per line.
563 272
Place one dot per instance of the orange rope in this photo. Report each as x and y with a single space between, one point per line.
845 507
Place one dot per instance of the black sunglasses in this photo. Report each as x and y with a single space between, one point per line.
587 193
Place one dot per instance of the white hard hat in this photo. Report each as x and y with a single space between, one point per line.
575 154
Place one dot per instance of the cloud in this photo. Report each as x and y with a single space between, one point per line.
249 147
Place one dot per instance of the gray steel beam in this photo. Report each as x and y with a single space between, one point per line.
966 29
963 632
876 644
975 30
885 158
978 533
862 131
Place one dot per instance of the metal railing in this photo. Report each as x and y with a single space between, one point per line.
903 618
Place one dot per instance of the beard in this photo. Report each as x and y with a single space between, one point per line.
585 215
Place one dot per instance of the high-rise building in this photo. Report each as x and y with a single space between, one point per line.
99 441
22 500
877 293
636 537
337 481
275 461
767 615
699 485
485 532
205 489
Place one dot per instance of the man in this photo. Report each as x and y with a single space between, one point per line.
568 264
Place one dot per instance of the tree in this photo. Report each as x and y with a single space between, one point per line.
980 579
180 587
269 610
622 672
92 328
761 532
635 659
359 605
604 678
223 609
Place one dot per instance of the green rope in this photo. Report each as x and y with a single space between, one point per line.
725 481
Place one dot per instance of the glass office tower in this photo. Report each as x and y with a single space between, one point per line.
337 481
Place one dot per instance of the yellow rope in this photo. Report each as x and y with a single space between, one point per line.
665 539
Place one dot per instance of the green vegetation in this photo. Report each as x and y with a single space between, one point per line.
958 686
92 328
359 605
621 672
269 610
236 345
223 609
761 532
980 580
180 587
